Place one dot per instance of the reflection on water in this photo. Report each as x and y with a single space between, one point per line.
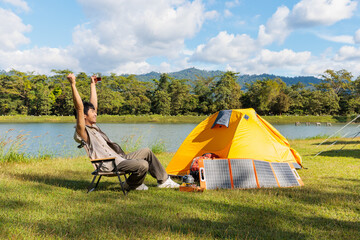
57 138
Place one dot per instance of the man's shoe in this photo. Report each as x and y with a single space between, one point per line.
168 184
142 187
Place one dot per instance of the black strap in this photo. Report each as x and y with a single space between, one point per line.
83 143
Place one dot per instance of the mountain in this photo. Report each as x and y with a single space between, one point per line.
191 74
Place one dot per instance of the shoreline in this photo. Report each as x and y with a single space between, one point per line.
284 119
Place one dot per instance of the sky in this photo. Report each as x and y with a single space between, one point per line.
287 38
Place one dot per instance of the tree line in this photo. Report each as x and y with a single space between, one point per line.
34 94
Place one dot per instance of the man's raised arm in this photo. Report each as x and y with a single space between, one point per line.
79 107
93 94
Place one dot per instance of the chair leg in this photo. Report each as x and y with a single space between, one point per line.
122 184
90 188
97 183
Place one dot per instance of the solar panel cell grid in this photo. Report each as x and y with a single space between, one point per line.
265 174
243 173
285 175
217 174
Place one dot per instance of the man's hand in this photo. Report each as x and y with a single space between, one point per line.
93 79
71 77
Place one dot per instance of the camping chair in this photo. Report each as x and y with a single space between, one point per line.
97 163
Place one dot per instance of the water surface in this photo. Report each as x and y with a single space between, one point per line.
57 138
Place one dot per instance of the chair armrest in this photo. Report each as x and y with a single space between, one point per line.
102 160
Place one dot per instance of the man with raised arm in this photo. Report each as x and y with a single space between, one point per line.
137 163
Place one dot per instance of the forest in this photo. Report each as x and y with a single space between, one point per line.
338 93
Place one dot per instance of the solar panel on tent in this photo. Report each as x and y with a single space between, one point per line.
217 174
243 173
265 174
285 175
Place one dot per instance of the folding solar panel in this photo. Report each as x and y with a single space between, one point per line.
246 173
217 174
265 174
243 173
285 175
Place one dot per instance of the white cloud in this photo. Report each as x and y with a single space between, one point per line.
283 58
307 13
227 13
225 47
20 4
12 30
39 60
123 31
132 67
357 36
276 27
339 39
232 4
211 15
318 65
321 12
347 53
276 62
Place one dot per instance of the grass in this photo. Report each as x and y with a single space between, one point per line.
13 148
104 119
48 200
169 119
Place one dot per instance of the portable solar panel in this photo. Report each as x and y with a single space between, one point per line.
265 174
246 173
285 175
243 173
217 174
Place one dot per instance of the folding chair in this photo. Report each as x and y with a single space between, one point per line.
97 163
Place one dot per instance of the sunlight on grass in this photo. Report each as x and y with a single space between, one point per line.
48 200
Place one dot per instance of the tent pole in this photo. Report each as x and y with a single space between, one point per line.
339 130
351 139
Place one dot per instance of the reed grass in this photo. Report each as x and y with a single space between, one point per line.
158 147
48 200
14 148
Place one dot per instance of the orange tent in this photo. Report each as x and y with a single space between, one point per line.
234 134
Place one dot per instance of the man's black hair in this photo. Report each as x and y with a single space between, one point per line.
87 106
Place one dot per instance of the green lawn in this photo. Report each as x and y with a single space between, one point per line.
48 200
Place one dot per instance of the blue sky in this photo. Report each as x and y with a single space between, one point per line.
289 38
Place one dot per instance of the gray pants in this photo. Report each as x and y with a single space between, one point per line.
140 162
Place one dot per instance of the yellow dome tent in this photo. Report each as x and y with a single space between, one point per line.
233 134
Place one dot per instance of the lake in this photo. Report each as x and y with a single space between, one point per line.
57 138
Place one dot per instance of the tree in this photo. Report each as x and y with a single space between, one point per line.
39 96
110 99
296 98
227 92
60 88
202 92
338 81
136 97
263 94
161 102
161 99
281 104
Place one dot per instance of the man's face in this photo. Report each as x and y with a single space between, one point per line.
90 117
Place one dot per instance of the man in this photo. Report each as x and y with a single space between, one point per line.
99 145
